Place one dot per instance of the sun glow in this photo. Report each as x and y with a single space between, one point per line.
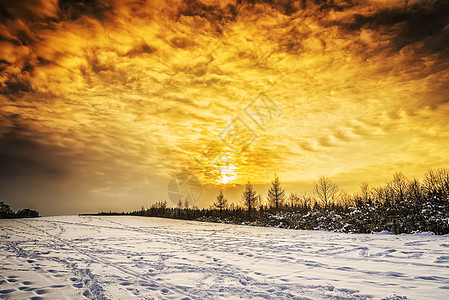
227 174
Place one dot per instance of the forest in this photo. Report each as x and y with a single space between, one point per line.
7 213
401 205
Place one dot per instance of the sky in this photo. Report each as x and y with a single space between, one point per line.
104 103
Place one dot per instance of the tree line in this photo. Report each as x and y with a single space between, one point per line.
400 205
7 213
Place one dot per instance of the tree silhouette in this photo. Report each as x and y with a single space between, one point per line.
400 205
276 194
27 213
365 192
398 188
5 210
327 191
221 203
249 198
293 201
260 202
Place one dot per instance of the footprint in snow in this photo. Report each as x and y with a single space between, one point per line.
78 285
428 277
442 259
7 291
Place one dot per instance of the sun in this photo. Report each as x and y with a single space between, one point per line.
227 174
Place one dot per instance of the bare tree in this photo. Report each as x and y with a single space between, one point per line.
276 194
294 201
432 183
406 5
444 177
436 184
365 192
159 205
346 199
414 191
380 194
327 191
307 200
398 187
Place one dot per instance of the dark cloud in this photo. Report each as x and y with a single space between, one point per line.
210 12
75 9
17 83
290 7
143 48
30 10
219 15
423 25
16 86
22 155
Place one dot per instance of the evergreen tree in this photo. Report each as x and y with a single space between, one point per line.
276 194
179 205
221 203
260 202
249 199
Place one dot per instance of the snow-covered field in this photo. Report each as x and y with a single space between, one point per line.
74 257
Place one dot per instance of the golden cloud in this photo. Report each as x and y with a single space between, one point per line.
130 92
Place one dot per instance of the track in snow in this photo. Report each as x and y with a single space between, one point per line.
133 257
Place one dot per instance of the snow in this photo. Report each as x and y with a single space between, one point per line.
383 232
79 257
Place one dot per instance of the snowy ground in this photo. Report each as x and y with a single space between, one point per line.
75 257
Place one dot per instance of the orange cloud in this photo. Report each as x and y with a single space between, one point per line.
129 93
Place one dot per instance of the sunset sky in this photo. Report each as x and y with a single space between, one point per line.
102 102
